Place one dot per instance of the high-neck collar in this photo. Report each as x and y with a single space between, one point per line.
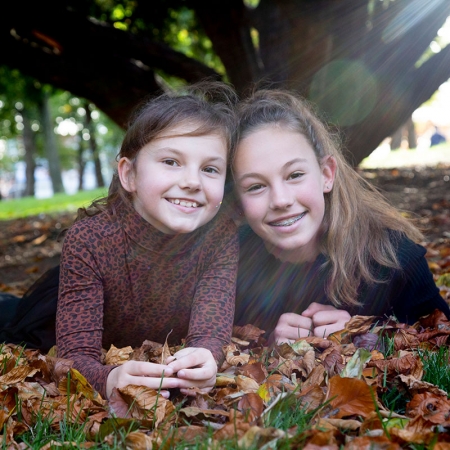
148 238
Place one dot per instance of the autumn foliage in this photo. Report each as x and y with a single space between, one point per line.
329 392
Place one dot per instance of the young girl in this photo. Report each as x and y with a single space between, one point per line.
156 258
321 244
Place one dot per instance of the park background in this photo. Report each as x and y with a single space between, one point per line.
71 71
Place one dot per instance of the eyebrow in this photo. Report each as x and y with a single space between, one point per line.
177 152
285 166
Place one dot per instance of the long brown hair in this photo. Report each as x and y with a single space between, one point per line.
357 217
209 105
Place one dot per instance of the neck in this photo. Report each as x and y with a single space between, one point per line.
296 256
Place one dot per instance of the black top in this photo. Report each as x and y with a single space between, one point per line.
267 287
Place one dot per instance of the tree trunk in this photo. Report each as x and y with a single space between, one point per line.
94 148
29 143
396 138
81 163
355 59
51 149
412 136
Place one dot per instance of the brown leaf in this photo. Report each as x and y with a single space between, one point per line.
118 356
255 370
431 407
350 396
165 350
247 332
140 402
251 405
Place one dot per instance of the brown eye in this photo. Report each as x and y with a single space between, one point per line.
170 162
254 187
295 175
210 170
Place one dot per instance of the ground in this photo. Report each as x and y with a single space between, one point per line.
28 247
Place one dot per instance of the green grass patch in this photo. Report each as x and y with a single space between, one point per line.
30 206
384 158
436 367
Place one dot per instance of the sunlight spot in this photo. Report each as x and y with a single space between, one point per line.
435 47
415 12
67 127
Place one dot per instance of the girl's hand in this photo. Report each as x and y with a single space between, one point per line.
155 376
326 319
194 367
291 327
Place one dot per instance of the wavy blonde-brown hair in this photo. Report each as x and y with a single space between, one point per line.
358 219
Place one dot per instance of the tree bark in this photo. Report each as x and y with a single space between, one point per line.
29 143
94 148
51 147
355 59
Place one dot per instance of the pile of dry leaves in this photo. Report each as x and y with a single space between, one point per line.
338 384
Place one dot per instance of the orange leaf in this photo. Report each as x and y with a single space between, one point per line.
350 396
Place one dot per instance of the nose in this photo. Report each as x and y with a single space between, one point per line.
281 197
190 180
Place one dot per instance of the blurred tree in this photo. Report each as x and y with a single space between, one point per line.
365 63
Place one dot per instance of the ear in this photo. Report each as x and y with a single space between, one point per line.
328 172
125 171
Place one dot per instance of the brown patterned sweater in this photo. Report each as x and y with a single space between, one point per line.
122 281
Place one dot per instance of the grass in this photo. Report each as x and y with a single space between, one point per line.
29 206
436 367
384 158
380 158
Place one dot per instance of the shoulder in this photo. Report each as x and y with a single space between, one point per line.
407 250
101 225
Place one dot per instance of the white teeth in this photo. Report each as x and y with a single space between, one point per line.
184 203
288 222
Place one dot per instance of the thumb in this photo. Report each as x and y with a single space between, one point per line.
312 309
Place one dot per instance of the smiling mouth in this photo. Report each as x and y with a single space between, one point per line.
185 203
287 222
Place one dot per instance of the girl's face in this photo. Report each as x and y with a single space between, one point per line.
281 187
177 182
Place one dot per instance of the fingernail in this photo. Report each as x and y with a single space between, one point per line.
181 373
165 394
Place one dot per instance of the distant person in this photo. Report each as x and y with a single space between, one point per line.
437 138
157 258
321 243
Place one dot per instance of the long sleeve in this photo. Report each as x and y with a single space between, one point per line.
79 324
123 282
409 292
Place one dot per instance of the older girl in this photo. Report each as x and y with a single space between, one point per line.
321 244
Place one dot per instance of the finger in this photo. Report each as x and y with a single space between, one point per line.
314 307
294 320
170 359
196 357
330 317
291 319
146 369
150 382
201 373
291 334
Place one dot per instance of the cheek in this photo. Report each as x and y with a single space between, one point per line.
215 190
252 208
